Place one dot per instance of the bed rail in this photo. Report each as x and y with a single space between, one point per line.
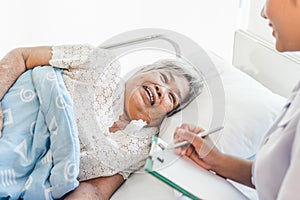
145 39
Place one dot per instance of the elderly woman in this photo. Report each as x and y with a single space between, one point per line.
115 120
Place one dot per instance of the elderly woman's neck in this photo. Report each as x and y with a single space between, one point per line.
120 124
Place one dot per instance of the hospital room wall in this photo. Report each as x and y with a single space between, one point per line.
254 23
211 23
251 20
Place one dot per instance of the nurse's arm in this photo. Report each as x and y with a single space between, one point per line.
207 155
234 168
227 166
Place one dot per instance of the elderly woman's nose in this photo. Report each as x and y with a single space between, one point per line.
160 90
263 12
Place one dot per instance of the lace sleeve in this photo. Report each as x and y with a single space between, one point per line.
119 152
70 56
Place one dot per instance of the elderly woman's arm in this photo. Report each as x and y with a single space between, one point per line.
18 61
15 63
100 188
11 67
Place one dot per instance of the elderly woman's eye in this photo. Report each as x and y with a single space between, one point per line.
173 98
163 78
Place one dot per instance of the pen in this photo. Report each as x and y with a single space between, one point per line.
202 135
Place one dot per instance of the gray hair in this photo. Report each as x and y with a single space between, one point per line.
189 72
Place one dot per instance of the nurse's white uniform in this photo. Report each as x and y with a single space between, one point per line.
276 170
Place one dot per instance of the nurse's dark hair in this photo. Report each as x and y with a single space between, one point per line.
189 72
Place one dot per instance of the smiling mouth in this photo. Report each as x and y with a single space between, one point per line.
150 95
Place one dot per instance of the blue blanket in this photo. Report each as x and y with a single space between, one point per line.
39 146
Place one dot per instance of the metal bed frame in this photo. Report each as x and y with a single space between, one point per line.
145 39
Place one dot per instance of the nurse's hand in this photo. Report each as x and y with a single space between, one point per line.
202 150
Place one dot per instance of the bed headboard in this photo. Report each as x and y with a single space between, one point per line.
258 58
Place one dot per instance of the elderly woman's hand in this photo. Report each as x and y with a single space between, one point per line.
202 150
100 188
1 120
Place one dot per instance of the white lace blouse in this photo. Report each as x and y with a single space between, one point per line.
92 77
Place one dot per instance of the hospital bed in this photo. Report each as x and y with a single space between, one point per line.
255 86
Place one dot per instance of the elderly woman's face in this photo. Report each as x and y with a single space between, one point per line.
150 95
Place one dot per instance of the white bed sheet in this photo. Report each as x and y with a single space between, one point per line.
237 84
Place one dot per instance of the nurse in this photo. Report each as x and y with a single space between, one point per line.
275 173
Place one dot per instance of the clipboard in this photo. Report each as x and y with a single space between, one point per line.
187 177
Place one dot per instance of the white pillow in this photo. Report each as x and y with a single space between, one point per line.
250 109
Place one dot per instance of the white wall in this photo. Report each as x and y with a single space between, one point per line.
257 24
47 22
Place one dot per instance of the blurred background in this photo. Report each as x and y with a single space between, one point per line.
211 23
